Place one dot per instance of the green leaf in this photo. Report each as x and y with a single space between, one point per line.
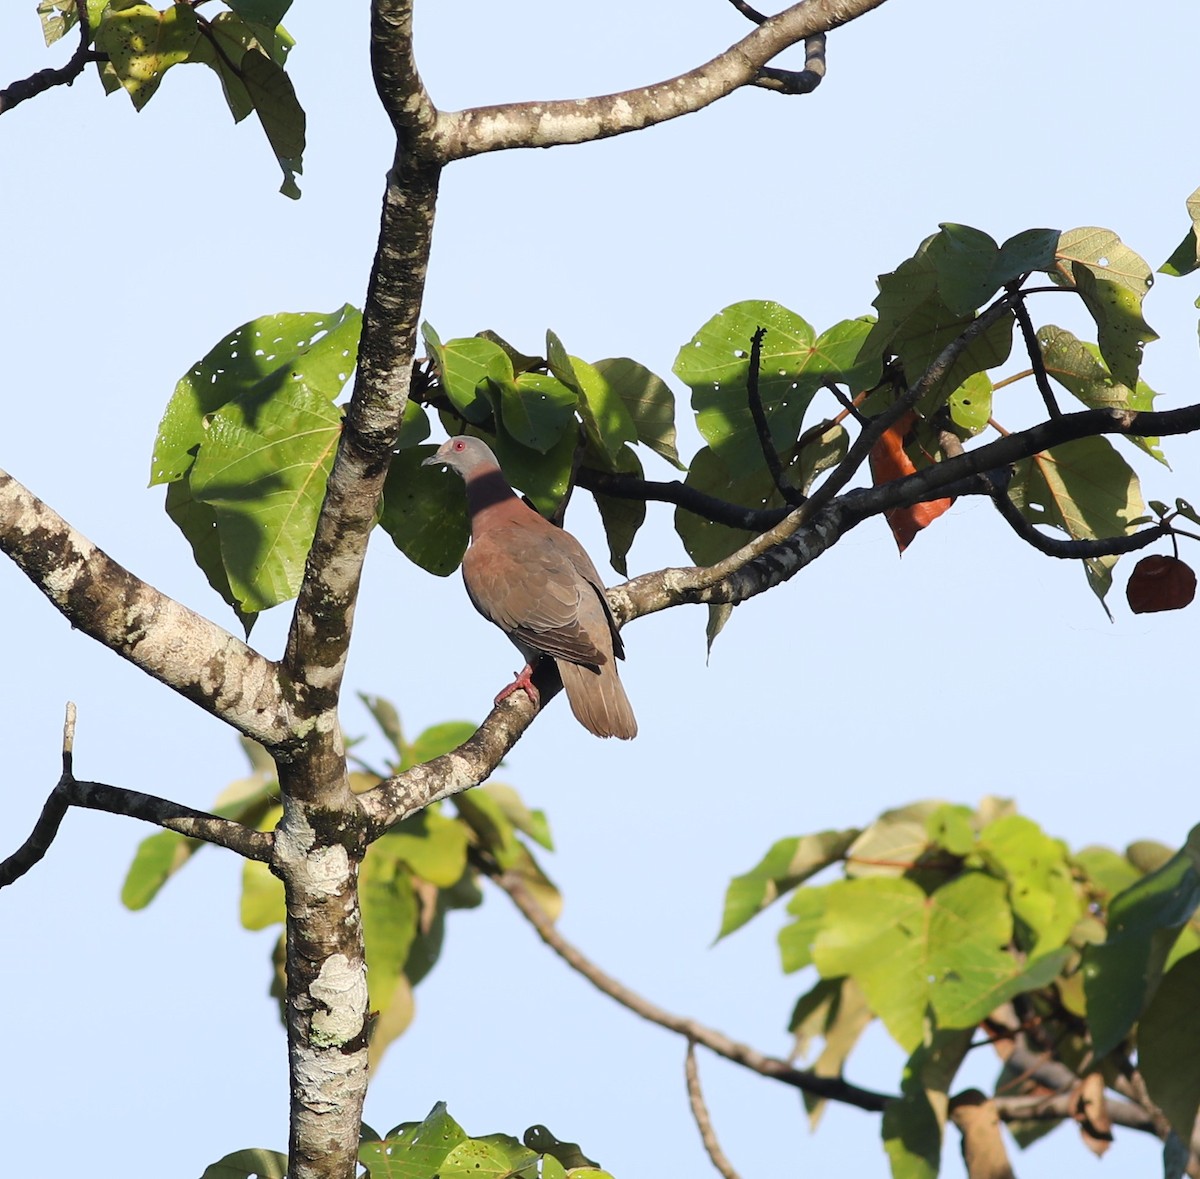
536 410
1168 1044
570 1154
389 915
432 845
606 420
650 403
143 43
262 903
414 426
317 348
910 951
544 478
1085 489
437 740
279 111
413 1149
1186 257
705 541
788 863
467 370
971 403
952 827
424 512
796 939
912 1126
529 822
622 517
966 263
384 713
835 1010
1112 280
1121 976
263 468
794 364
1029 250
267 12
1076 365
1038 871
198 523
248 1164
894 843
157 859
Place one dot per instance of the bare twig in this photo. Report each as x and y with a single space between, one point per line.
751 14
833 1088
69 792
762 427
700 1112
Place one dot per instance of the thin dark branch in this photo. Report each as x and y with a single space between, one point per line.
1073 550
17 92
708 507
68 792
1036 359
751 14
700 1112
847 403
803 81
762 427
832 1088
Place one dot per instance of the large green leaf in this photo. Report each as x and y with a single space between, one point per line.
262 468
544 478
248 1164
788 863
794 364
911 952
837 1011
1085 489
425 512
650 403
1121 975
260 357
1168 1045
1076 365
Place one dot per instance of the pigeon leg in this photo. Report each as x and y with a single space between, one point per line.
523 680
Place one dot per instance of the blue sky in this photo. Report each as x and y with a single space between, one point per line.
145 1043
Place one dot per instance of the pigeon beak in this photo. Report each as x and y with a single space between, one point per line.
434 460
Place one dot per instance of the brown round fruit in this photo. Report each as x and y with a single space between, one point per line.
1160 583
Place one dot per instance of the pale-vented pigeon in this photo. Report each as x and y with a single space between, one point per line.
536 583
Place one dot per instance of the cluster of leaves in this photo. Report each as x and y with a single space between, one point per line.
436 1148
946 914
411 877
248 437
245 45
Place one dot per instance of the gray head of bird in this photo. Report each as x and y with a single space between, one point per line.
464 455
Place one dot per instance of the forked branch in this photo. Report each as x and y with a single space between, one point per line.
69 792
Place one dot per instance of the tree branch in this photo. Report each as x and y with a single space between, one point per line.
762 427
803 81
549 124
1034 349
700 1112
832 1088
176 646
69 792
64 75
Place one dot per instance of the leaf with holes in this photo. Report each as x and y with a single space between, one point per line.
424 513
536 409
142 43
794 364
260 356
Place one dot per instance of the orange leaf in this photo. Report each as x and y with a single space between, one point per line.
889 461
